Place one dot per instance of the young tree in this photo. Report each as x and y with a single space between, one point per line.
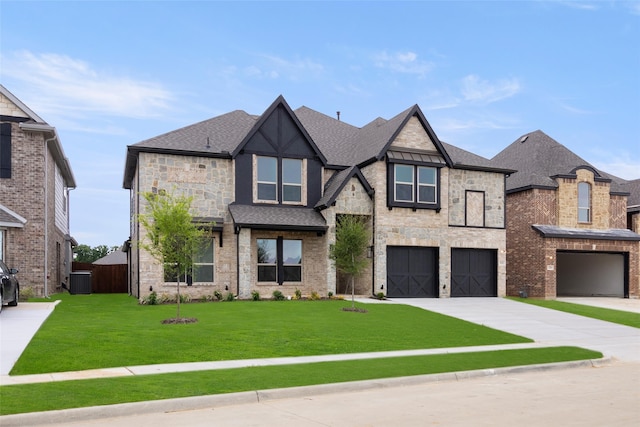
349 251
172 237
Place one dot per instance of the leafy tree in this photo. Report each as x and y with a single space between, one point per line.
172 237
85 253
349 251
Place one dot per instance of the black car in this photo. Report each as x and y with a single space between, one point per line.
10 289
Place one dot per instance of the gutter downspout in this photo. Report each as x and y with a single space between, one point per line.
46 214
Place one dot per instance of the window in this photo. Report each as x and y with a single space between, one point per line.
291 180
267 260
267 178
279 260
202 269
403 183
279 180
584 202
414 186
427 189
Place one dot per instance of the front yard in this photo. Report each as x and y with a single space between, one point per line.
99 331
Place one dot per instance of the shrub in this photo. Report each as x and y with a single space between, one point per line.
151 299
314 296
229 297
278 296
255 296
298 294
26 293
330 294
380 295
165 298
218 295
184 298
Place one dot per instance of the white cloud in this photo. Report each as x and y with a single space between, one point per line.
485 92
275 67
63 85
402 62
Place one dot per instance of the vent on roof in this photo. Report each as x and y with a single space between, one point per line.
524 138
338 114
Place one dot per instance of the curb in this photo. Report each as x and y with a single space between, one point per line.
246 397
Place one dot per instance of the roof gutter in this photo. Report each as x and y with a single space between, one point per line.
56 149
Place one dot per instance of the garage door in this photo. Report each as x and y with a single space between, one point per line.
412 272
474 273
590 274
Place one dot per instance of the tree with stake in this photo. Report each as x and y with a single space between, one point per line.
172 237
352 238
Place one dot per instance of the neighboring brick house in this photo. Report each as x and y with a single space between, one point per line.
276 184
35 179
633 206
566 224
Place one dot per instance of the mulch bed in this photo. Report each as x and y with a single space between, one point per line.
182 320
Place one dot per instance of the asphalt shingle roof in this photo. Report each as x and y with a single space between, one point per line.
537 158
277 217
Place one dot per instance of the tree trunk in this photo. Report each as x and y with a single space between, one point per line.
178 300
353 284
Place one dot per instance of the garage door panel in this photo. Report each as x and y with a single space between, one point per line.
590 274
411 272
474 273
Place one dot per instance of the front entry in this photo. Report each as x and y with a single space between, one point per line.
412 272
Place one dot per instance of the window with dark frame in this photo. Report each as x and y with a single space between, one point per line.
279 260
413 186
267 178
202 269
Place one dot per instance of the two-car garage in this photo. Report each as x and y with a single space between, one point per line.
587 274
412 272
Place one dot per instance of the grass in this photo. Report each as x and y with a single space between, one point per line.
107 330
609 315
82 393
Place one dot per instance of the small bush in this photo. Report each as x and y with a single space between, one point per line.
277 295
330 294
184 298
26 293
218 295
255 296
380 295
151 299
314 296
229 297
209 297
165 298
298 294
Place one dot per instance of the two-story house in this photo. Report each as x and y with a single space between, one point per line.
567 231
275 185
35 179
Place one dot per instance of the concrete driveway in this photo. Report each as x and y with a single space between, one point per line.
17 326
545 326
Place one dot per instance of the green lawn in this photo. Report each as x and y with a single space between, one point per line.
609 315
82 393
106 330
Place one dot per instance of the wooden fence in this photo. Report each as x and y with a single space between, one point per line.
105 279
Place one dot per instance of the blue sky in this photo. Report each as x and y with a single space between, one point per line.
110 74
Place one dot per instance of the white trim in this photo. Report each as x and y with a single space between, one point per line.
15 215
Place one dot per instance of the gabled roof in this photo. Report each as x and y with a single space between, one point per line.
336 183
539 159
9 218
112 258
337 144
280 103
35 123
28 111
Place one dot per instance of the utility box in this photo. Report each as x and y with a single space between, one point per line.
80 282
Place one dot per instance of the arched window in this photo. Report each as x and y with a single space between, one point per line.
584 202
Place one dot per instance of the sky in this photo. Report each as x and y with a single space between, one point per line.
108 74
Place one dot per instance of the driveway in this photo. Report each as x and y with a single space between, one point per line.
545 326
17 326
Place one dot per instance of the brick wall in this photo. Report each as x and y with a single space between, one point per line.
25 247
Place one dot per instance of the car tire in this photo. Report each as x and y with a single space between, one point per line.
1 300
16 294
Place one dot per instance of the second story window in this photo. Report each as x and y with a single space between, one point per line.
414 186
279 180
584 202
267 178
427 185
403 183
291 180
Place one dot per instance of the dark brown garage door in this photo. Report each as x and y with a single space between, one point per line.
474 273
412 272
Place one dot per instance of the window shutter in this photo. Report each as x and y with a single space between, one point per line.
5 150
